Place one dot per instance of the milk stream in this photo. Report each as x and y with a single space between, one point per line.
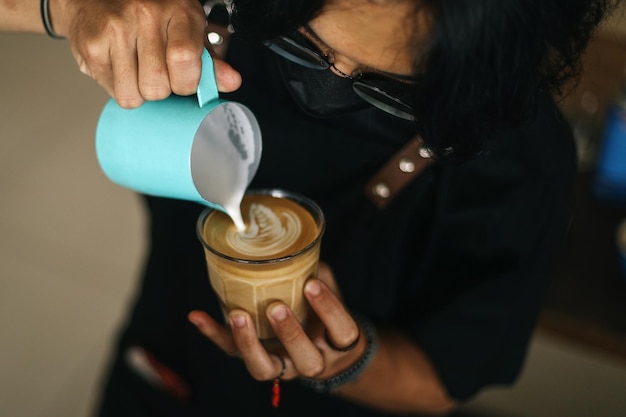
234 211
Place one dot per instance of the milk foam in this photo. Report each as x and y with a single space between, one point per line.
268 232
272 228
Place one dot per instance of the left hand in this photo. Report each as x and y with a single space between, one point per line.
306 352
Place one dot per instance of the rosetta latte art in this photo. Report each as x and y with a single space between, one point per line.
268 231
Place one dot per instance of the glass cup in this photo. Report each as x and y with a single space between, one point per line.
270 261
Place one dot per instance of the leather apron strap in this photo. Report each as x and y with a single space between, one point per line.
398 172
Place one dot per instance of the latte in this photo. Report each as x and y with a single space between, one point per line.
270 260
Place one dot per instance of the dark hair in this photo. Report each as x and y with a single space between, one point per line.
489 60
486 61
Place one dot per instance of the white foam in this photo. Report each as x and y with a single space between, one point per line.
267 233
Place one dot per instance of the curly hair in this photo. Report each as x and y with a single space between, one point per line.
483 67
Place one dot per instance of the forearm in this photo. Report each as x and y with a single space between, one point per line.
20 16
400 379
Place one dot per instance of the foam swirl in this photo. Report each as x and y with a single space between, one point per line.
268 232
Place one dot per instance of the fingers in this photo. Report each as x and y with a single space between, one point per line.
185 44
244 343
331 344
214 331
261 365
228 79
122 78
310 354
88 68
341 329
306 357
152 74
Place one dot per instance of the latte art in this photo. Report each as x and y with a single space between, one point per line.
267 232
274 227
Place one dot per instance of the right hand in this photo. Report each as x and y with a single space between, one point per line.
139 50
306 353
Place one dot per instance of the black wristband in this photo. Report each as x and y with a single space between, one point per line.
45 19
353 373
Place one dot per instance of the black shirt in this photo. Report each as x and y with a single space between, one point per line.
458 260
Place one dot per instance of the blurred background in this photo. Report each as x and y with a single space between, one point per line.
71 247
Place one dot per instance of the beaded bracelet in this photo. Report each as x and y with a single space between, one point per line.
353 373
45 18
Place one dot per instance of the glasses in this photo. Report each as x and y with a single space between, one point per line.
391 94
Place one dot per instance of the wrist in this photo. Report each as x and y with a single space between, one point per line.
52 14
354 372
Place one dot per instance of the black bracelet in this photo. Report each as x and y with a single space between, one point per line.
353 373
45 18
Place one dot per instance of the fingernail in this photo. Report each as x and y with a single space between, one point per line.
196 323
278 312
238 320
313 287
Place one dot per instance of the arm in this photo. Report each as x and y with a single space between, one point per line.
20 16
400 377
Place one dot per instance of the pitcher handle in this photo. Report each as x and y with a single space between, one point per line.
207 87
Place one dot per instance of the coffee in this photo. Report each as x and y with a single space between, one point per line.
270 260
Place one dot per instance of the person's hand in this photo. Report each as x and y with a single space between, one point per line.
315 353
139 50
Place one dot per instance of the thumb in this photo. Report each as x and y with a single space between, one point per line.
228 79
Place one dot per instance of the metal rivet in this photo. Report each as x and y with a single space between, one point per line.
215 38
406 165
381 190
425 153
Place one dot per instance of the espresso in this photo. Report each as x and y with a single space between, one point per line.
270 260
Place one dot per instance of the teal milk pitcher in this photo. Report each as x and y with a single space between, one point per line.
198 148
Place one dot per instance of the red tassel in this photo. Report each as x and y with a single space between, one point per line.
276 393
